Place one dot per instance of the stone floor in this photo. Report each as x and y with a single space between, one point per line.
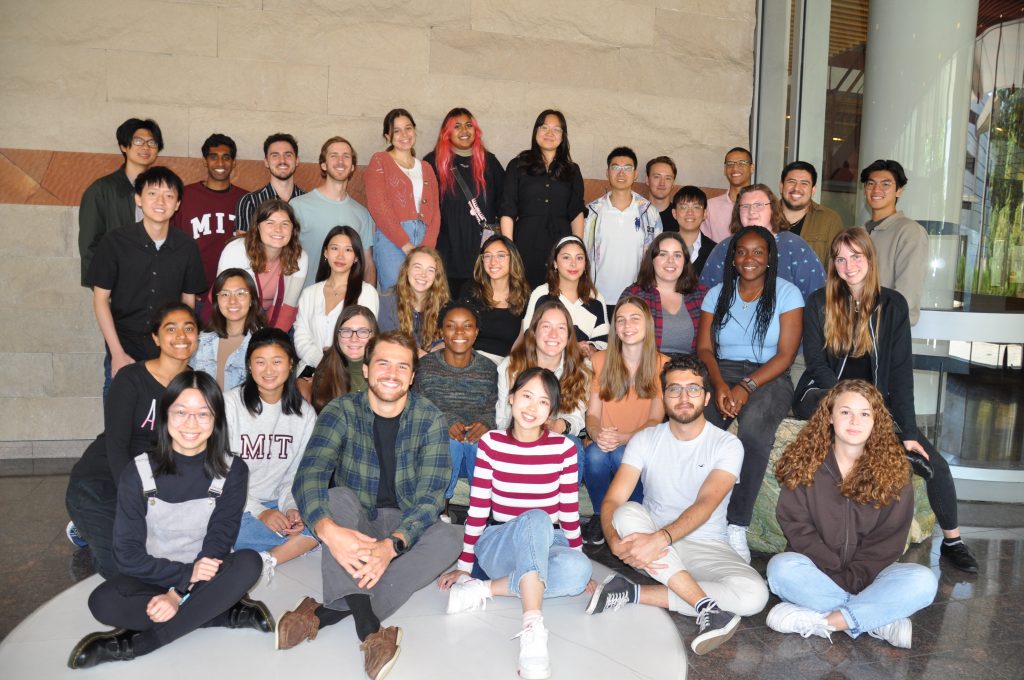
971 630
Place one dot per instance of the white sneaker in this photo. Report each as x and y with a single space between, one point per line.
269 564
898 633
468 595
738 541
534 663
789 618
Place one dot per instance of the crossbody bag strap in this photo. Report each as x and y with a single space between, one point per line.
474 209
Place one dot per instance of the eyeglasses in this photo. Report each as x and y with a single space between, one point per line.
233 294
733 164
885 184
686 207
179 416
691 389
361 333
621 168
856 258
551 128
750 207
142 141
500 257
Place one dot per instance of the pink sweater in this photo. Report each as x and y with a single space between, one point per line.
513 477
389 198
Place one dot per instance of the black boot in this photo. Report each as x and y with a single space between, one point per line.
248 613
97 648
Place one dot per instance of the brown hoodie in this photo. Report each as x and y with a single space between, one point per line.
849 541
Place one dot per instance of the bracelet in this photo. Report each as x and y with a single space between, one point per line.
669 536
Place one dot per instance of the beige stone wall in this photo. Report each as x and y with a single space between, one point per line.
663 76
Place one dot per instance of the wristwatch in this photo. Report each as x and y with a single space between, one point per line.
748 384
400 547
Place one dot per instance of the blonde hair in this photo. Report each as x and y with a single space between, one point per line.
615 381
845 329
434 299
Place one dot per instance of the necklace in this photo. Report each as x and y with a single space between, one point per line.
747 304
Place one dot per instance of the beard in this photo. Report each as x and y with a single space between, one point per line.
793 206
685 419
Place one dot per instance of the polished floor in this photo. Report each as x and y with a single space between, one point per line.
971 631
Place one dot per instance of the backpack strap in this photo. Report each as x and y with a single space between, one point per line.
217 485
145 468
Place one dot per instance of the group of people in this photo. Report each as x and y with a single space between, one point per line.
554 343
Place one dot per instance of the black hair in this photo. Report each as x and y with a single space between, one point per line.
291 398
280 137
254 318
685 362
692 193
161 313
127 129
158 175
389 124
217 139
547 378
622 151
891 166
765 306
217 451
355 275
800 165
458 304
745 150
531 161
662 159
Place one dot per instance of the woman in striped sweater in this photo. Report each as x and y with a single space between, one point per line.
523 528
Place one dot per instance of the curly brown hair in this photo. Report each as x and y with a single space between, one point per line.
881 471
254 248
436 297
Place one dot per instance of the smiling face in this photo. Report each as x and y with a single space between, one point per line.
459 332
570 262
689 214
751 258
178 335
340 254
797 189
463 134
660 180
881 192
531 408
422 272
389 372
669 261
276 230
852 419
349 341
621 172
552 333
403 134
190 422
158 202
270 367
549 134
234 299
630 325
141 153
281 160
339 163
496 261
219 163
755 210
852 266
738 169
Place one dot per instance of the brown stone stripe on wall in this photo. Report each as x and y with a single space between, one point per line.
39 177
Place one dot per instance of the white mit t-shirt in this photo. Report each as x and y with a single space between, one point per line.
672 472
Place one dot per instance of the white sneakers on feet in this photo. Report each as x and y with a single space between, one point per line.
468 594
738 541
898 633
789 618
534 663
269 564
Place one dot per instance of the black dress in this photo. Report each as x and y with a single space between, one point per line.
458 241
542 208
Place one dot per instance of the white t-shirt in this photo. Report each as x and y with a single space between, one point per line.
672 472
415 175
619 245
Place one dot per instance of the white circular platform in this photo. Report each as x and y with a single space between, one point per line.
636 642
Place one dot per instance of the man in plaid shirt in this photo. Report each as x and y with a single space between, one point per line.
387 451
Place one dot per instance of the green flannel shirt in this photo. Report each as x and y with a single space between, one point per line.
342 446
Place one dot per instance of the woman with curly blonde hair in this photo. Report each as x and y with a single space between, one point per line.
845 505
413 304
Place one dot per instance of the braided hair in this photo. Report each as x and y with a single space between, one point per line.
765 306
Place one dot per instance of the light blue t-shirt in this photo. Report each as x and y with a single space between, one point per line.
317 215
736 337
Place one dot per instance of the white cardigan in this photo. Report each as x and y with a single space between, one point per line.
314 326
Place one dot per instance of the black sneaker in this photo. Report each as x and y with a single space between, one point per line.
615 592
249 613
97 648
960 557
592 533
716 627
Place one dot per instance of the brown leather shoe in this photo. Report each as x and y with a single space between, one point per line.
298 625
380 651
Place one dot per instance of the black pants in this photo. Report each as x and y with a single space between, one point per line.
121 602
91 504
941 490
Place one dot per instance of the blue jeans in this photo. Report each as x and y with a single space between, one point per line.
253 534
898 591
388 257
529 543
580 458
463 461
107 370
600 469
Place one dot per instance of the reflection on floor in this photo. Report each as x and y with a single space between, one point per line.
972 629
982 418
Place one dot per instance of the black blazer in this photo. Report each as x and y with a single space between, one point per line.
706 246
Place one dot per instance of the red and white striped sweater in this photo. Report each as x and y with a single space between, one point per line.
513 477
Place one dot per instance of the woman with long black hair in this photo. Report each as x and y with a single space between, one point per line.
749 335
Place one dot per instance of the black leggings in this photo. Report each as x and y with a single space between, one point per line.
121 602
941 490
